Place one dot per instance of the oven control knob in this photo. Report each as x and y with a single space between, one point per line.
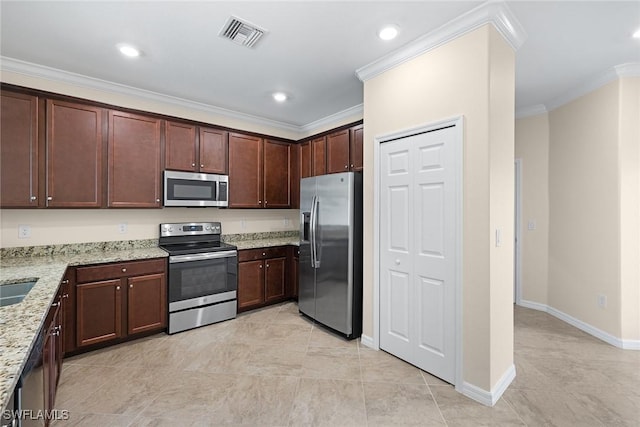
207 228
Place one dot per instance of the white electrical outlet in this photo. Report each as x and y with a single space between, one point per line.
24 231
498 237
531 225
602 301
285 222
122 227
243 224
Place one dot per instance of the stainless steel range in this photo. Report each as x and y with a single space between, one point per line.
203 274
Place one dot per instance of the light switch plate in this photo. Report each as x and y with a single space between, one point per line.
531 225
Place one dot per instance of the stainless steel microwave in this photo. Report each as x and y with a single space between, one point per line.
195 189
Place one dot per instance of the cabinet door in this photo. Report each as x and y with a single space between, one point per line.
245 171
295 176
98 312
52 353
134 161
18 150
305 159
338 152
318 156
180 147
356 148
277 178
147 303
214 147
275 278
250 284
74 155
69 311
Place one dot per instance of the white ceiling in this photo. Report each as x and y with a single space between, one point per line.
311 51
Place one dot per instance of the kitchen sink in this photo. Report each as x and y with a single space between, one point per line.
13 293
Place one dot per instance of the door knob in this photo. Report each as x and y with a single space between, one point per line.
397 262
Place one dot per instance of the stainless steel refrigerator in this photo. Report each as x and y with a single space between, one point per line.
330 266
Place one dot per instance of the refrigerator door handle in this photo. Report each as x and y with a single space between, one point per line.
312 232
314 244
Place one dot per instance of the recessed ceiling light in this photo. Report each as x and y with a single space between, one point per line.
388 33
128 50
636 35
280 96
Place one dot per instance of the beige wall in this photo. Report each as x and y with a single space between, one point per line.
584 209
470 76
629 123
56 226
532 147
581 176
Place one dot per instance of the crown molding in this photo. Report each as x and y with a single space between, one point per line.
614 73
56 75
496 13
333 118
533 110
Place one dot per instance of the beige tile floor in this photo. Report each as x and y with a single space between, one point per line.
272 367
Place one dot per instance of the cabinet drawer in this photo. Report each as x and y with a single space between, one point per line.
264 253
119 269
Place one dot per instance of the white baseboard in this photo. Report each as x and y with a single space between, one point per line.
585 327
367 341
489 398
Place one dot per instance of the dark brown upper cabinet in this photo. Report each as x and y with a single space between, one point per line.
295 176
75 144
19 176
305 159
259 172
134 161
277 174
356 149
318 156
344 150
338 151
193 148
245 171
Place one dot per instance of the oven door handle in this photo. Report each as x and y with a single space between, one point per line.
201 257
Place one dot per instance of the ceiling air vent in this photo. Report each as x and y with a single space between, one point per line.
242 32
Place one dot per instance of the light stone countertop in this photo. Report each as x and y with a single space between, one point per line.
21 322
266 243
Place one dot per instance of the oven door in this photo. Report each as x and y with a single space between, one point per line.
201 279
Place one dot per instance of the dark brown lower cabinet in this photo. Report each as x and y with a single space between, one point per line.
116 300
262 277
294 278
52 351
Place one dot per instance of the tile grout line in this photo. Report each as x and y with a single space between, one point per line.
444 420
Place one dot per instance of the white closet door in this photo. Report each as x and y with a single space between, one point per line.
417 250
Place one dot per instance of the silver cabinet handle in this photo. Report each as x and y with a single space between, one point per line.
263 253
64 282
117 288
267 265
33 198
346 166
351 165
49 198
157 200
124 270
193 165
259 202
65 295
131 286
201 166
260 265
